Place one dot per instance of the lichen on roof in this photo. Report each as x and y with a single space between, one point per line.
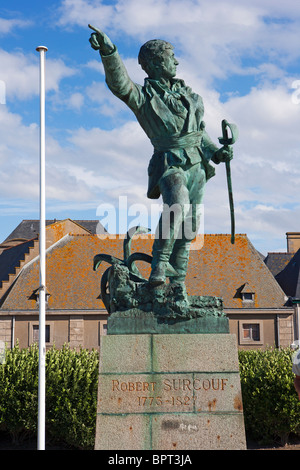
218 268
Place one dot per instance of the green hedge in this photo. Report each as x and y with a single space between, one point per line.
71 394
18 391
271 404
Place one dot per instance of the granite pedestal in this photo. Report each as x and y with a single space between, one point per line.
169 392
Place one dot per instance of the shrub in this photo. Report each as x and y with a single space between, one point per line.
271 404
71 394
18 391
72 382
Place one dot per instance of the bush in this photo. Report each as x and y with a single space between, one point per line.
71 394
72 382
271 404
18 392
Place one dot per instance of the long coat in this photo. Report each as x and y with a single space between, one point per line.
172 118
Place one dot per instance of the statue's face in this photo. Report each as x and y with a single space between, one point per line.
167 66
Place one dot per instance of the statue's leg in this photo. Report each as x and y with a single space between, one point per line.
176 200
179 258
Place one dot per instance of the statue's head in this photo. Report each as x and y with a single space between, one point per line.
156 58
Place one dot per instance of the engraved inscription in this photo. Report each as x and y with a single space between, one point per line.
196 384
170 385
162 393
173 401
132 386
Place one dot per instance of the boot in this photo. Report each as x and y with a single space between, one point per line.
158 274
179 260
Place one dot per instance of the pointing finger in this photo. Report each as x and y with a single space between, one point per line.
94 29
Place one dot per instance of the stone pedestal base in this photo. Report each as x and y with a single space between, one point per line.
138 322
169 392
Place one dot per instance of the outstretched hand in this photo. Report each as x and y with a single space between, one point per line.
100 41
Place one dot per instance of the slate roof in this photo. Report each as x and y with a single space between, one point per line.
11 257
218 268
16 252
289 277
28 229
222 269
276 262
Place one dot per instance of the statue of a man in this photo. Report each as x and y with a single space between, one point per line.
171 115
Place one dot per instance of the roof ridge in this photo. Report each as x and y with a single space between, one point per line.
110 235
280 253
150 234
19 244
226 234
265 268
48 250
71 234
65 220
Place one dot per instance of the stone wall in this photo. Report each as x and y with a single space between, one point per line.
6 330
286 330
76 331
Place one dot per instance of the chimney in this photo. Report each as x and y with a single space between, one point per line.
293 241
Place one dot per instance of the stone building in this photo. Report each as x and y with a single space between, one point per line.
285 267
256 305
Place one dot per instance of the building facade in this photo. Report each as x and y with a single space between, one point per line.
257 307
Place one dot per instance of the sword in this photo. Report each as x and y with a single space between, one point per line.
225 140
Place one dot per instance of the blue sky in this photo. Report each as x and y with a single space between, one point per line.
242 57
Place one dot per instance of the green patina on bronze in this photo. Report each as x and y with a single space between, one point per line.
171 115
137 307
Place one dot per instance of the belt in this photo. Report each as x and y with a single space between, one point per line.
191 139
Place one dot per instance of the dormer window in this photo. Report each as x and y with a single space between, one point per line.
246 293
36 296
248 296
46 298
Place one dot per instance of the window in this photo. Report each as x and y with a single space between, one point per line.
36 296
46 299
102 330
102 327
250 332
246 293
247 296
34 333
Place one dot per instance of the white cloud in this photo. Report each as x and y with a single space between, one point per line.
83 12
19 159
76 101
213 36
256 41
121 153
101 96
265 168
106 102
91 167
8 25
20 73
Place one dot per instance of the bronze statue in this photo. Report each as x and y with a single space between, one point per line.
171 115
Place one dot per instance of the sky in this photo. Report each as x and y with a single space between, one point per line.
242 57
